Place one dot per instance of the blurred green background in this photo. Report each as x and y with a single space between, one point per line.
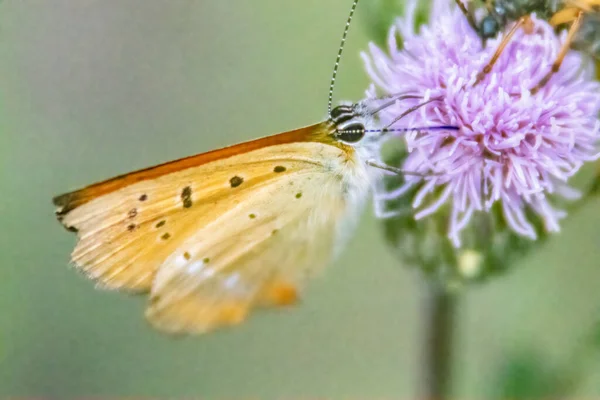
94 88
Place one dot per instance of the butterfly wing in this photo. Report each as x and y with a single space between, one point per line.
212 235
258 252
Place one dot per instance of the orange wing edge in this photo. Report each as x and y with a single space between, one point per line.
67 202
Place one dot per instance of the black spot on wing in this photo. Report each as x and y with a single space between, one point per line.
186 197
236 181
279 169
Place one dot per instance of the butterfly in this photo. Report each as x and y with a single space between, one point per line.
211 236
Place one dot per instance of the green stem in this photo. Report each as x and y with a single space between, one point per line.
439 314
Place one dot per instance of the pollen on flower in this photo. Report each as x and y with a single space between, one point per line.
512 148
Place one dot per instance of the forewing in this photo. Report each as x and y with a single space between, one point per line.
259 252
129 224
215 234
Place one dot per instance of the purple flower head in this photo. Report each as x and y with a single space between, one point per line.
512 147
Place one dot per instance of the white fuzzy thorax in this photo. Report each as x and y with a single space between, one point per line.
358 177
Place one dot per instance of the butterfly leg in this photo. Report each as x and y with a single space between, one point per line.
381 198
410 110
505 40
398 171
392 99
382 195
380 209
561 54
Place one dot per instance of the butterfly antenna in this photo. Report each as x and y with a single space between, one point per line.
339 56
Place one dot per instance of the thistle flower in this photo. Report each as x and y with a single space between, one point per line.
514 150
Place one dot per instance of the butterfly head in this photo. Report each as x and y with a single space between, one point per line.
351 123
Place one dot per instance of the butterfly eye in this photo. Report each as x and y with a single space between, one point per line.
342 114
351 133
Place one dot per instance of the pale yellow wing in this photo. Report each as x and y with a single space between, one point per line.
258 252
189 229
